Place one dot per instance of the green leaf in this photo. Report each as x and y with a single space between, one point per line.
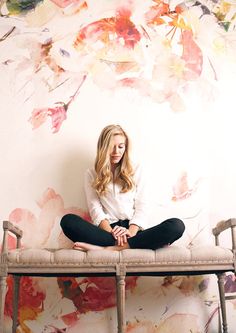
21 6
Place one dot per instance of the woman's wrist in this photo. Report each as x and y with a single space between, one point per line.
105 225
133 229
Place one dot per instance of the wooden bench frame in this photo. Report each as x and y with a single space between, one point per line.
120 269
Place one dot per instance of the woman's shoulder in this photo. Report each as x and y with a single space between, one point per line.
90 173
137 167
137 171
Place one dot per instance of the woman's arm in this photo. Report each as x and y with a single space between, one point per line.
140 217
94 205
105 225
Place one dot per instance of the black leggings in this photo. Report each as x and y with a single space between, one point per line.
79 230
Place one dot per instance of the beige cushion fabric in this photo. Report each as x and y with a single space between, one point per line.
103 256
28 256
211 253
65 256
171 254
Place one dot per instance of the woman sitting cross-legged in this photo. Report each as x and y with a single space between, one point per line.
115 192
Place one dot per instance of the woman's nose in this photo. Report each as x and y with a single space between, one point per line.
116 149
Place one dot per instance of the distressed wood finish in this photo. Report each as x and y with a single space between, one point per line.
173 260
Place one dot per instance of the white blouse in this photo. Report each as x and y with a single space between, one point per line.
115 205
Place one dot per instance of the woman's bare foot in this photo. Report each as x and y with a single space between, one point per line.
86 246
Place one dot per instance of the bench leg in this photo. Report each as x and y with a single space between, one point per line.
15 302
222 301
3 290
120 292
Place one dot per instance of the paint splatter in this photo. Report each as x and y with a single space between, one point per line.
92 293
182 190
230 283
177 323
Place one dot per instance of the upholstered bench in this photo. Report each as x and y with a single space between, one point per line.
172 260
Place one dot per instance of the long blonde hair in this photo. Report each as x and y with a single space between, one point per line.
124 175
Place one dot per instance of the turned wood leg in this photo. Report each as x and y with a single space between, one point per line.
3 290
15 302
222 301
120 292
219 321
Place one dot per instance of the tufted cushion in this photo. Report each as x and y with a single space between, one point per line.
171 254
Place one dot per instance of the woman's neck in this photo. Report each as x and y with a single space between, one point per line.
113 168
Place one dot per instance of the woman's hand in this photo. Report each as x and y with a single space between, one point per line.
120 234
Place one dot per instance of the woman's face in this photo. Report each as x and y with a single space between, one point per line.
117 148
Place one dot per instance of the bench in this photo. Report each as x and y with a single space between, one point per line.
172 260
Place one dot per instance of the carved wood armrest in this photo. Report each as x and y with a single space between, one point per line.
10 227
224 225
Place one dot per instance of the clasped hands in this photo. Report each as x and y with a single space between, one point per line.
121 234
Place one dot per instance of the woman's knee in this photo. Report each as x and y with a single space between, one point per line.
66 219
178 226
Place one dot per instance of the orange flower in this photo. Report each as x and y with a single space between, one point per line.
119 27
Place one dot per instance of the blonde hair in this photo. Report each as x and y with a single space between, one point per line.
124 176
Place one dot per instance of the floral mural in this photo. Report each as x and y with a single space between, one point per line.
95 294
159 48
165 70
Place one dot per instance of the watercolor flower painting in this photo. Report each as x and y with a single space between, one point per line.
158 48
67 68
84 295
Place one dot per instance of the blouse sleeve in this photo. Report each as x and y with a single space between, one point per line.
94 205
140 217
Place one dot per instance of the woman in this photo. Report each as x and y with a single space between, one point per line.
115 193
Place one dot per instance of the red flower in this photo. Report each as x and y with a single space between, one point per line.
29 296
126 29
99 293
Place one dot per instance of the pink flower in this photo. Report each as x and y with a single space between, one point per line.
57 114
192 55
45 224
38 117
182 190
